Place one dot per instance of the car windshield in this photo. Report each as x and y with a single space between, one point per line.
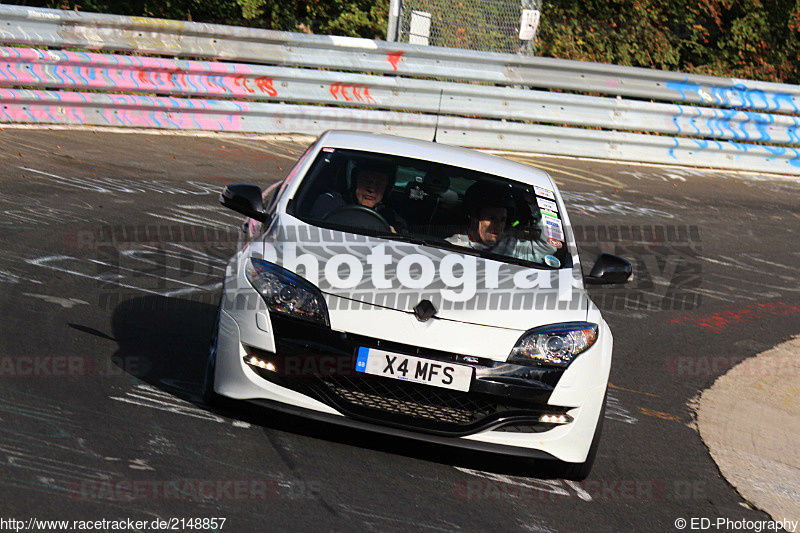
434 204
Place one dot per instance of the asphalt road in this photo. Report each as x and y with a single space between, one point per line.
103 342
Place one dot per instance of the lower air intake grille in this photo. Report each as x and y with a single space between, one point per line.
412 400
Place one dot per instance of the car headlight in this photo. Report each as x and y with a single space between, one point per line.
553 345
285 292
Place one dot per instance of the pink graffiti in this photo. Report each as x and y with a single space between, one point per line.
59 69
117 110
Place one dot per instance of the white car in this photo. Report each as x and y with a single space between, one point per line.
419 290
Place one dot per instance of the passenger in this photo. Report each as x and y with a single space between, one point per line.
489 212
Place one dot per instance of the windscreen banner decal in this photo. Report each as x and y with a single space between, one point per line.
552 228
547 193
547 204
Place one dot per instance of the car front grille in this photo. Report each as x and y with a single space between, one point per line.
411 400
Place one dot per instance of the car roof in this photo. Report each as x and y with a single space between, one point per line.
436 152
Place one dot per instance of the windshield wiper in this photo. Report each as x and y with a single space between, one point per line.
414 239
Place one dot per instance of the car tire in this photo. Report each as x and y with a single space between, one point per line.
209 396
580 471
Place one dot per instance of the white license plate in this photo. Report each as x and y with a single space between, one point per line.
415 369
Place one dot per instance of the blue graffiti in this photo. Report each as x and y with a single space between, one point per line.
188 79
671 151
792 132
776 150
737 125
8 68
737 95
91 72
790 155
66 75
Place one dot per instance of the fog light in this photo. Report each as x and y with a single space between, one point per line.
554 419
266 365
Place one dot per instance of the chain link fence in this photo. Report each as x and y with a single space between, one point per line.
488 25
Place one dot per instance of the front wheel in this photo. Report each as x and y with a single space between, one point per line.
580 471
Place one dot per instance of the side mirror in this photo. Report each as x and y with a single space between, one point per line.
609 269
244 199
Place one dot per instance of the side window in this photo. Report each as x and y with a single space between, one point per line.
272 194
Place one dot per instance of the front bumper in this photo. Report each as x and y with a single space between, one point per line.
320 363
469 444
578 391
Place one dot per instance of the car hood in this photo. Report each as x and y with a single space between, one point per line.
364 272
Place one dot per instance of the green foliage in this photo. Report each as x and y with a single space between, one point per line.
752 39
357 18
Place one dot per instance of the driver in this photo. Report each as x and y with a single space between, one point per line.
371 185
489 212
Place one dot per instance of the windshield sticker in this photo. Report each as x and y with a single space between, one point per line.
554 243
552 223
554 233
326 149
546 204
547 193
552 261
547 213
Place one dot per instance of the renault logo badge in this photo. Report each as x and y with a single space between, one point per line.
424 310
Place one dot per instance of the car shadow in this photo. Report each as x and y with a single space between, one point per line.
164 341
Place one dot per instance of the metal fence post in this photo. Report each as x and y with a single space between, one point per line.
394 18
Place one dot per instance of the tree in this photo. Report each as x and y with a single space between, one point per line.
754 39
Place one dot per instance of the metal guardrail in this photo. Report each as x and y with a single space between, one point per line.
72 70
288 68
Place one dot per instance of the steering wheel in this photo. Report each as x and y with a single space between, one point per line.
357 215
